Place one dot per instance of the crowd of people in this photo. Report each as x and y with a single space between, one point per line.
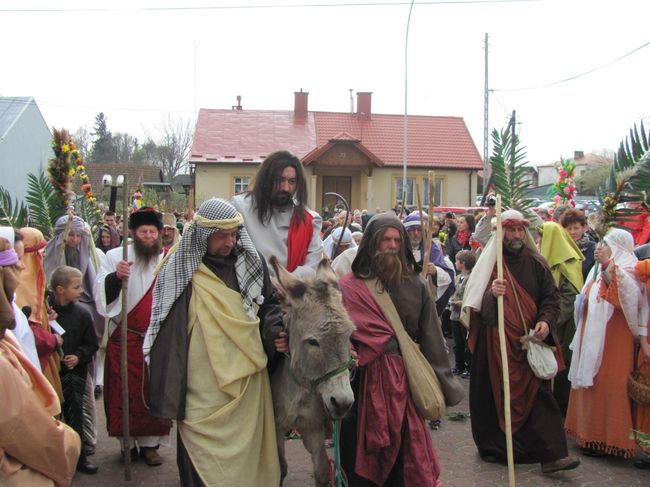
205 330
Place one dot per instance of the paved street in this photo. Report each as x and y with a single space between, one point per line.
461 466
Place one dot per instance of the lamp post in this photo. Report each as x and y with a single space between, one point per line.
107 182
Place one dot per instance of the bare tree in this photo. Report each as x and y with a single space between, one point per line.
82 140
124 147
173 146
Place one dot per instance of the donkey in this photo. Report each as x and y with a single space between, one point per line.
312 385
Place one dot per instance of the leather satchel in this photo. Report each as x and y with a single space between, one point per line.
424 385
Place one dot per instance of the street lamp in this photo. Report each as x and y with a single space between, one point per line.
107 182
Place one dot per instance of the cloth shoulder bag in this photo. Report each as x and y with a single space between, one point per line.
423 383
540 355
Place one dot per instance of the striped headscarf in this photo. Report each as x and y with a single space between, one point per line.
185 257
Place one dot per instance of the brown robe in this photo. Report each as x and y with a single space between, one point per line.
538 433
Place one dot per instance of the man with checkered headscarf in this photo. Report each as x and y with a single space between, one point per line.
214 320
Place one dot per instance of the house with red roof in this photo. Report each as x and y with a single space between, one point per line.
358 155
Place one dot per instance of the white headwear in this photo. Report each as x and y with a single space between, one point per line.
330 242
482 273
588 354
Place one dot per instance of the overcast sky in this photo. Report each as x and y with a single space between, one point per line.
137 65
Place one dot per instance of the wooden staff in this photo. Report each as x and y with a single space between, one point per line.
432 185
124 372
424 232
504 352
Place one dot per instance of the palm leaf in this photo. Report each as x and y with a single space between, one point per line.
44 202
628 181
90 213
12 213
509 171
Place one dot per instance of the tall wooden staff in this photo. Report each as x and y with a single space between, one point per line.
124 372
504 352
429 234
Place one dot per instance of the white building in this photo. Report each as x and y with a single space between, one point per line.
25 143
547 173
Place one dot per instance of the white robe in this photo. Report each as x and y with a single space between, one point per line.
25 336
142 276
272 237
140 280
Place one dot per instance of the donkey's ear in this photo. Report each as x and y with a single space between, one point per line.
294 287
325 271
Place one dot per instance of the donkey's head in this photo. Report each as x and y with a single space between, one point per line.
319 335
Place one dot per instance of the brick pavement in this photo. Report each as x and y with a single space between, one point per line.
461 466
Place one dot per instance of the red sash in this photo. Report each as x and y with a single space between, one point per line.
141 423
300 234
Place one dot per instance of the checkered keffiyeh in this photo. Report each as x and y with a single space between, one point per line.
176 273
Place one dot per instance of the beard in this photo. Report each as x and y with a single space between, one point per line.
513 245
280 198
145 252
168 240
389 268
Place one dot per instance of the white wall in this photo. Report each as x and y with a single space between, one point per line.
25 149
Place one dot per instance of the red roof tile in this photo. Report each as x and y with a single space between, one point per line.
247 136
250 135
432 141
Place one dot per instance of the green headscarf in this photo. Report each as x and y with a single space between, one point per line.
562 254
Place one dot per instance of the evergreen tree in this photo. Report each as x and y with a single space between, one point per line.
102 148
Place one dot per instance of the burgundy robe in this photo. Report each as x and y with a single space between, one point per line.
537 426
141 422
388 428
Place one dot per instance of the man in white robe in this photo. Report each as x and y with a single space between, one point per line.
277 218
144 255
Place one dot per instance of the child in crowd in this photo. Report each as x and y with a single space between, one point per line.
79 347
465 261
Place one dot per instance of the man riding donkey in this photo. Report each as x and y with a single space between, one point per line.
144 255
529 294
214 321
277 217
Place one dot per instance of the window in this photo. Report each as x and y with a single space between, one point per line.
423 183
410 191
241 184
437 192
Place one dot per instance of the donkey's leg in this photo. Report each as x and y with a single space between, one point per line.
279 438
314 442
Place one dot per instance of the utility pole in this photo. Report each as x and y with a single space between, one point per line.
486 120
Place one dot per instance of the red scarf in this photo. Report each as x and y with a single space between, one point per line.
300 234
463 238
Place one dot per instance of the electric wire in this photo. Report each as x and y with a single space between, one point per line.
571 78
261 6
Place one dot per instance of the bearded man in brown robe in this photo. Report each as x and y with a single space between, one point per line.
384 440
537 426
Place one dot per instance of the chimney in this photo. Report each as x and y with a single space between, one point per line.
578 154
300 104
364 99
238 107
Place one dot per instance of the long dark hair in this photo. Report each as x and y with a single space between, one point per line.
270 171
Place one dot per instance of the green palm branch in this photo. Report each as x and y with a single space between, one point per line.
628 181
90 213
12 213
44 203
510 172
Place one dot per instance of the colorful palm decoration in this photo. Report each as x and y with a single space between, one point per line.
564 189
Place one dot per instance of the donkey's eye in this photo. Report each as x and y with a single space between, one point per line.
313 342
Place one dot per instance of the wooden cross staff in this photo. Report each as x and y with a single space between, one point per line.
504 352
124 372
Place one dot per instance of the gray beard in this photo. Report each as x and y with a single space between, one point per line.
72 257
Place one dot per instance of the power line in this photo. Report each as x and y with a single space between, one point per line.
571 78
257 6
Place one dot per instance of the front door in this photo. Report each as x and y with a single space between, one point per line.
336 184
